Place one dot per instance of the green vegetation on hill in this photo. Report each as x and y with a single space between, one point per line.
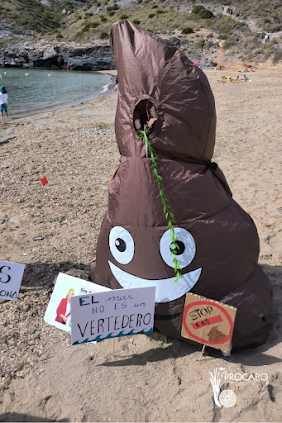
179 21
35 16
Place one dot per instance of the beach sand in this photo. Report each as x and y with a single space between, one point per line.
135 378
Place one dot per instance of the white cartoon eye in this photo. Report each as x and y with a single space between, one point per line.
186 247
121 245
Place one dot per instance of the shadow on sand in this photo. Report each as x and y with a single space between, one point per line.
17 417
38 276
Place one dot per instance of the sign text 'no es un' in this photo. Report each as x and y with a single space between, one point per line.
112 314
208 322
11 275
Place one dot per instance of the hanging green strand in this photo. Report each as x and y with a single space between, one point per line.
168 214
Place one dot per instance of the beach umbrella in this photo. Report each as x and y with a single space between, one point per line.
171 220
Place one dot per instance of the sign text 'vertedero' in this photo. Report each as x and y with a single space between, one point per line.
112 314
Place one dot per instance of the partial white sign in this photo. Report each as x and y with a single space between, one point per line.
119 312
59 311
11 275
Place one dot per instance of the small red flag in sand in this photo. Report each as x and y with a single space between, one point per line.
44 181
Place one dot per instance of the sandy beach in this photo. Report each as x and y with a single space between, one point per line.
137 378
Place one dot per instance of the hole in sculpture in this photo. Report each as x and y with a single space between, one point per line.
144 114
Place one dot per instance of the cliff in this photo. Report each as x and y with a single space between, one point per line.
30 55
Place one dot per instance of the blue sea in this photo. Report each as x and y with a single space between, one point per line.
33 91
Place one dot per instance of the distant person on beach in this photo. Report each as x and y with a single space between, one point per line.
222 79
244 78
233 78
116 85
68 67
64 309
266 38
3 102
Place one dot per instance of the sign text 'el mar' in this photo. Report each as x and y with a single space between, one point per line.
11 275
208 322
112 314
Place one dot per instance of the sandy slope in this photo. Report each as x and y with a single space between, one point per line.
145 378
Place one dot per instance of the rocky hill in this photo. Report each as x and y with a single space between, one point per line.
52 33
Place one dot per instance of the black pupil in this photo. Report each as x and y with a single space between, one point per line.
177 251
120 244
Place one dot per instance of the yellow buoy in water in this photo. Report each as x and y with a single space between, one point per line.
49 74
26 74
5 73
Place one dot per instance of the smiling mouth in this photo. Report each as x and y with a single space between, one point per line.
166 290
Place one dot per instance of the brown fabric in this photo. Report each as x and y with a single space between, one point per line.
160 88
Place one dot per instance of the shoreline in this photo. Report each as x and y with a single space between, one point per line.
66 104
60 106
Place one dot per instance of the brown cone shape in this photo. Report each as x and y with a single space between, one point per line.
161 88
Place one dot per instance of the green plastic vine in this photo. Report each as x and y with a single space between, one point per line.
168 214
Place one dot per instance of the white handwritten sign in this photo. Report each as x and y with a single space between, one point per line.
112 314
59 312
11 275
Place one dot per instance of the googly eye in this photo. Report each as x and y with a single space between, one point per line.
121 245
184 249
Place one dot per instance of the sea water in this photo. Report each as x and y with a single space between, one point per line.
36 90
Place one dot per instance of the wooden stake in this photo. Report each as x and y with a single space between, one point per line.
203 349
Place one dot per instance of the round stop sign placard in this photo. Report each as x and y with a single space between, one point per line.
208 322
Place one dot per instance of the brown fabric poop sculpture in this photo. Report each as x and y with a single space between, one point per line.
218 243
